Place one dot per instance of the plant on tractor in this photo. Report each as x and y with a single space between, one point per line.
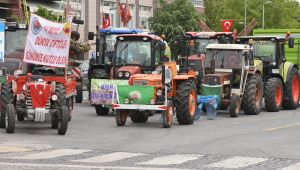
232 77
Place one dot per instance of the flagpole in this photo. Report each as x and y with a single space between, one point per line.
126 12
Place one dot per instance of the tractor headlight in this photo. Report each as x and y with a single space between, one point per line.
159 92
127 74
152 101
126 101
54 97
120 74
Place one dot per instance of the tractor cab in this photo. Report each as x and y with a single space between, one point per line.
136 53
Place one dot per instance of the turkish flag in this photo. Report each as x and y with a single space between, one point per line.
40 93
124 13
226 25
105 21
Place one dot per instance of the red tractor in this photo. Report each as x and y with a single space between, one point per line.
36 93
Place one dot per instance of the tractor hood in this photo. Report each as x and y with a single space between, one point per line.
147 79
131 69
39 93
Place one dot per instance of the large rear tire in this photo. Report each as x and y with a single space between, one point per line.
6 97
138 116
121 116
185 102
273 94
253 93
10 118
291 91
63 120
101 110
78 97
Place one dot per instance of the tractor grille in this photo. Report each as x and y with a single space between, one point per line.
140 82
212 81
195 65
29 101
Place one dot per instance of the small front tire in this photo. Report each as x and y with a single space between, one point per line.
10 118
63 120
121 116
167 115
235 106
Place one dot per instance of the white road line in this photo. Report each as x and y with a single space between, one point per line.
292 167
171 159
116 156
52 154
237 162
88 167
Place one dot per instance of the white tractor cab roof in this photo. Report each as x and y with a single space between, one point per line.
229 46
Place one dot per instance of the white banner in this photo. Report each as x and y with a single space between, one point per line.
48 42
2 39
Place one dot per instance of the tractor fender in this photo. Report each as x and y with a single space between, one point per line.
285 70
180 78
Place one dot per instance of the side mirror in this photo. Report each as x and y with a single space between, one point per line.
291 42
77 21
91 35
166 75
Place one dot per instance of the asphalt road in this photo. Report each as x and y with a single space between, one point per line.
265 141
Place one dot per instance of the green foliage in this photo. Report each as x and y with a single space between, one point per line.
47 14
278 14
174 19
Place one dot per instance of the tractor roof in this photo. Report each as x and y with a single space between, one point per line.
264 37
151 36
207 34
228 46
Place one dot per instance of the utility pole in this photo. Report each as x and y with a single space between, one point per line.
118 14
137 13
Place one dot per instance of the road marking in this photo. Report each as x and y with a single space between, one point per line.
171 159
282 127
292 167
116 156
5 149
52 154
89 167
237 162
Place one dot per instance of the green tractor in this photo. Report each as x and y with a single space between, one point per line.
280 77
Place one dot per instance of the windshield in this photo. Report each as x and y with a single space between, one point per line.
15 41
110 42
133 52
264 49
200 45
224 59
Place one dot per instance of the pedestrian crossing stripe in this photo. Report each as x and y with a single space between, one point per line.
52 154
175 159
237 162
112 157
7 149
292 167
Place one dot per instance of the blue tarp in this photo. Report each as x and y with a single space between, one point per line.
211 105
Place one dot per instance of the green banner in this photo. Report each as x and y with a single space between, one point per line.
135 94
103 91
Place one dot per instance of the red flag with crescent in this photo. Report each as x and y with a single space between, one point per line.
226 25
105 21
40 93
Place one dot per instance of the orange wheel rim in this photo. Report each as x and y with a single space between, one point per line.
192 102
170 115
278 96
295 88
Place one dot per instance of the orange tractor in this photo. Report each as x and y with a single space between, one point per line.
159 88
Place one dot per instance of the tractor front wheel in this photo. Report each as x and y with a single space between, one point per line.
6 97
54 120
138 116
101 110
291 91
63 120
10 118
121 116
185 102
235 106
167 115
273 94
253 93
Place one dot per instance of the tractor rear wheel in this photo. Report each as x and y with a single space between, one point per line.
101 110
63 120
78 97
20 114
138 116
6 97
10 118
253 93
61 94
185 102
69 107
291 91
167 115
235 106
121 116
273 94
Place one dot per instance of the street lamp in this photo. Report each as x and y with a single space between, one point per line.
263 19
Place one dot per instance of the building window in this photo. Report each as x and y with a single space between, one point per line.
198 3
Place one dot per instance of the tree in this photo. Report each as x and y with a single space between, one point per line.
50 15
174 19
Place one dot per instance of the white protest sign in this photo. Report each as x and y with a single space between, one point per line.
48 42
2 39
